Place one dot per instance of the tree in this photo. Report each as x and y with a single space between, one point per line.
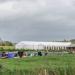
8 43
2 44
72 41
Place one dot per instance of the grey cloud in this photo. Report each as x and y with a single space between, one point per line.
38 20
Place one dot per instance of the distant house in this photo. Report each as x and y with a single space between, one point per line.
42 45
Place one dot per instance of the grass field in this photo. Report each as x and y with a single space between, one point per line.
7 47
45 65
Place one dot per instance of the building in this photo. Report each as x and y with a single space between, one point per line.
71 48
42 45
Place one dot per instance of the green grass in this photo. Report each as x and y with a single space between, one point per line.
45 65
7 47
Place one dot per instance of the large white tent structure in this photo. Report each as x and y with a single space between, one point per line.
42 45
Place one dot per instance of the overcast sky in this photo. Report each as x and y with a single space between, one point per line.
38 20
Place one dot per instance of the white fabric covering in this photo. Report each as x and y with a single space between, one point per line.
40 45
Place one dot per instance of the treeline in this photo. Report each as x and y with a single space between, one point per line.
6 43
72 41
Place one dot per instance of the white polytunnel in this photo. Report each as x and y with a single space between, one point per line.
41 45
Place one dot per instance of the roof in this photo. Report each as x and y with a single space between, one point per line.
44 43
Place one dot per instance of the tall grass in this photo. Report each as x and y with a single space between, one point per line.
45 65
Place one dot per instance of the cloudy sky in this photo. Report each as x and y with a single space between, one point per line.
38 20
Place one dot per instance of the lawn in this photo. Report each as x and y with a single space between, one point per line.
45 65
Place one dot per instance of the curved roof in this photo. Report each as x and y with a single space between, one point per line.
44 43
